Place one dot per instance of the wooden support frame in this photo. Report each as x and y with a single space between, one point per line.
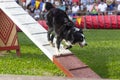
8 34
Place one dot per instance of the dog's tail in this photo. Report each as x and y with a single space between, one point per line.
48 6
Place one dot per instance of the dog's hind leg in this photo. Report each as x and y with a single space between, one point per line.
50 36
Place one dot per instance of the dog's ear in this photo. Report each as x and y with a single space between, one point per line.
48 6
81 31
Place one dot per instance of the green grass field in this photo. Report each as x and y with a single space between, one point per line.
102 55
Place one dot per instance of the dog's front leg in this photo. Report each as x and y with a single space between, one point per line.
68 45
49 33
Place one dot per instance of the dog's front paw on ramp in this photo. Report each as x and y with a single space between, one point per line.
62 51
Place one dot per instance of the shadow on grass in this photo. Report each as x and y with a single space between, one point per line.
30 56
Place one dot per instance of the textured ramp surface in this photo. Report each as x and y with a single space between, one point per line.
73 67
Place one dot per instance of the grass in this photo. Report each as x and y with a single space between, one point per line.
31 62
102 55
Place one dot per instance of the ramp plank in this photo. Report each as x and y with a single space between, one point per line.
73 67
85 73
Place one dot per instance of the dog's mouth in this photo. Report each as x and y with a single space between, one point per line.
82 44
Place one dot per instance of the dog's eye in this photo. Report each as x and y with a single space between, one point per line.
81 39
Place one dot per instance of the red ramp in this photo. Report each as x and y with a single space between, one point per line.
73 67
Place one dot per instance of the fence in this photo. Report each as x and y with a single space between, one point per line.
99 22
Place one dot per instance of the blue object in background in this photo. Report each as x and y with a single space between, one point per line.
33 2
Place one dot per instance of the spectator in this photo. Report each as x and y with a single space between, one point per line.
94 9
41 6
41 9
37 11
70 2
117 2
57 3
118 9
62 7
89 5
63 2
37 4
88 8
83 4
66 2
98 1
32 2
102 8
69 11
110 6
90 1
75 8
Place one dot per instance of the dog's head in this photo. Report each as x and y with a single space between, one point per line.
77 37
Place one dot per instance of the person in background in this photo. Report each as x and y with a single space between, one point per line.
88 8
66 2
94 9
117 2
75 9
42 12
110 6
118 9
83 4
33 3
70 2
68 10
102 8
91 1
62 7
57 3
37 11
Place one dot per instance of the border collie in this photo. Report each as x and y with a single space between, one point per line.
61 27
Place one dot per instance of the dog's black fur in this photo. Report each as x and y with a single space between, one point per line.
60 25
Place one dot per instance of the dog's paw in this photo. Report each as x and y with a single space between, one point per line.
51 44
68 47
59 52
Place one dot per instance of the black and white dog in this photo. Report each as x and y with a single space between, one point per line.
62 27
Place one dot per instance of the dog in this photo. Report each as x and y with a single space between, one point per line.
61 27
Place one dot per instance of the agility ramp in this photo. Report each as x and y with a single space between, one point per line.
68 62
